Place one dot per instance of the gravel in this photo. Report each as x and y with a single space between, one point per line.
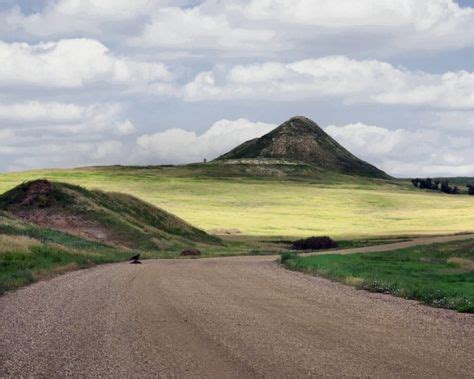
223 317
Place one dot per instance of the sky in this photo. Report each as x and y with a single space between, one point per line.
96 82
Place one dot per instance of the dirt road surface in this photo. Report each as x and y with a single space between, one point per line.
224 317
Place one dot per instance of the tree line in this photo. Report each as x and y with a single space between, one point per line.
440 185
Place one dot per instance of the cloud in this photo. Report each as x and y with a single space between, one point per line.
33 111
401 152
181 146
77 75
354 81
38 134
66 118
6 135
461 121
73 63
61 154
382 27
394 25
193 29
69 17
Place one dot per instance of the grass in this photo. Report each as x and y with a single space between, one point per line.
440 275
342 207
268 204
124 219
29 253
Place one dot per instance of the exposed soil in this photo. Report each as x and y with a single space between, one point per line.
36 192
66 222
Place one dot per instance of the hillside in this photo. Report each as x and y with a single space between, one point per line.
341 206
113 218
301 140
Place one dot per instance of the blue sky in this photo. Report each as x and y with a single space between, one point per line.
87 82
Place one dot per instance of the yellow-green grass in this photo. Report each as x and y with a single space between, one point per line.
342 207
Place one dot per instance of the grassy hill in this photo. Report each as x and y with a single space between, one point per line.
301 140
212 196
116 219
47 228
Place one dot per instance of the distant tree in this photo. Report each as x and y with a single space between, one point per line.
470 189
455 190
428 183
436 184
415 182
445 187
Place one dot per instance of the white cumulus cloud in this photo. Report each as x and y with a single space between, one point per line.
233 26
181 146
60 118
193 29
73 63
354 81
402 152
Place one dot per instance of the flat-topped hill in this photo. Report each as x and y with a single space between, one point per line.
301 140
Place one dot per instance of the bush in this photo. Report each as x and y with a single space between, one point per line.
286 257
470 189
314 243
445 187
427 183
190 253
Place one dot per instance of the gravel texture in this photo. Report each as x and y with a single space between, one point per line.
223 317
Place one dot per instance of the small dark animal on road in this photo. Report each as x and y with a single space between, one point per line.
190 252
135 259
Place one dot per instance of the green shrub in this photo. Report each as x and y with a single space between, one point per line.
287 256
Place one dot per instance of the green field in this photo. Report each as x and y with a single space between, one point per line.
440 275
340 206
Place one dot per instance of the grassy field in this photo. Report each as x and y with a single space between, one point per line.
268 210
342 207
440 275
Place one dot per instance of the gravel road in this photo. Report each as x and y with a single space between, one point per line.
224 317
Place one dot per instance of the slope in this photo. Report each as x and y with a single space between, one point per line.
302 140
113 218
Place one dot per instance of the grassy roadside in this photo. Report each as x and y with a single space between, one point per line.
29 253
440 275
